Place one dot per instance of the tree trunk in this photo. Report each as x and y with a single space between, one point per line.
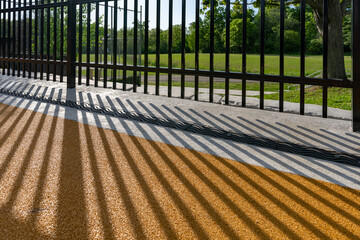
336 62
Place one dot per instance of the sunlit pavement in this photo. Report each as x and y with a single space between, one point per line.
73 174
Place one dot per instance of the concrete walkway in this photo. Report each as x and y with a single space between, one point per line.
72 174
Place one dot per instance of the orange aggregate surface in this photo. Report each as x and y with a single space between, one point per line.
61 179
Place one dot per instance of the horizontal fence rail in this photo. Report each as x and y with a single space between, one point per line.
98 42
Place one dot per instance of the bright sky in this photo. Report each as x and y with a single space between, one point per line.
177 11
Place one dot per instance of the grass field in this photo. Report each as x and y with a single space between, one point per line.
337 97
313 64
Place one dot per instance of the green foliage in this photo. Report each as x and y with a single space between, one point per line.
316 46
236 33
292 41
347 33
272 30
272 27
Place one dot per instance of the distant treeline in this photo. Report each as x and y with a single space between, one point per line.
272 33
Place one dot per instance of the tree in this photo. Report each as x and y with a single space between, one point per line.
236 32
338 9
204 45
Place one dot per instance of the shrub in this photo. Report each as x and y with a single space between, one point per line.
315 47
292 41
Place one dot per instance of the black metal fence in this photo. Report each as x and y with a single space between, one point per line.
47 39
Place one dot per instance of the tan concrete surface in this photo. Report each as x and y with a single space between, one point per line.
61 179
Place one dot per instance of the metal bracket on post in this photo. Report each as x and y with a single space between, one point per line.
71 43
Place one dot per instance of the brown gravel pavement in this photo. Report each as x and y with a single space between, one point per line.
61 179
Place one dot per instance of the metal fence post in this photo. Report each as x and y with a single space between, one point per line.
71 44
356 64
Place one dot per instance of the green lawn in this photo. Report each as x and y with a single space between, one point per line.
337 97
269 87
292 63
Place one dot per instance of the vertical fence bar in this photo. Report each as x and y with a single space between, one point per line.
41 35
302 56
212 33
8 40
7 49
325 56
106 26
48 32
146 58
157 77
115 39
135 62
96 43
183 50
3 47
356 64
36 38
3 41
140 42
282 52
10 36
62 42
14 37
55 41
80 43
135 46
7 36
197 47
227 53
262 54
88 21
170 47
30 39
124 44
2 36
244 45
21 44
1 33
18 39
71 43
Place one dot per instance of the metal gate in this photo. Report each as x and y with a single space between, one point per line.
41 39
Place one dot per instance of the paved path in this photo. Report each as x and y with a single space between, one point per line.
72 174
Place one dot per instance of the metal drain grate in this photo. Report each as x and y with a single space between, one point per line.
288 147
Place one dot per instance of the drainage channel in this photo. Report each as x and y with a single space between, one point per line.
329 155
